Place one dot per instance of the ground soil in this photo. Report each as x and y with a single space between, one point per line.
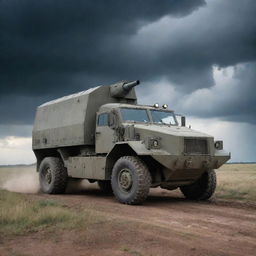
166 224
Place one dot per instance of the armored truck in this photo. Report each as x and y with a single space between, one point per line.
104 136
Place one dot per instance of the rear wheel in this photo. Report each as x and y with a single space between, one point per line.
130 180
53 176
203 188
105 186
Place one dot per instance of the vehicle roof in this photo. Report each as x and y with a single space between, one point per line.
124 105
71 96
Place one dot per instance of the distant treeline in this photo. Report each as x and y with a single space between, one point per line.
24 165
17 165
241 163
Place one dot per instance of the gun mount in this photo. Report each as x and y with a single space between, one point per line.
121 89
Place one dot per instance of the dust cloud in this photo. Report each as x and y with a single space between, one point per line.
19 180
26 180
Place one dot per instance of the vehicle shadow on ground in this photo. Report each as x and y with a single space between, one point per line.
85 188
151 200
156 196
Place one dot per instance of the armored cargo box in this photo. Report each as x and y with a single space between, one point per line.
70 121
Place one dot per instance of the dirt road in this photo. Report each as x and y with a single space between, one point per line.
166 224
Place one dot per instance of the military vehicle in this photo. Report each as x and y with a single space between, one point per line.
103 135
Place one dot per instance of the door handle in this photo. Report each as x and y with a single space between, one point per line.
97 132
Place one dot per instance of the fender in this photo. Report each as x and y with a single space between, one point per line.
138 147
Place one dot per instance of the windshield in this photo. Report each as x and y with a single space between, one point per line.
134 115
163 117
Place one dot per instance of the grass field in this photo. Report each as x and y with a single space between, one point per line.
237 182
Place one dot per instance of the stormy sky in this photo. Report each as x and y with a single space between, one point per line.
197 56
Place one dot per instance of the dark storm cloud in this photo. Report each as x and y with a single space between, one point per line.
232 98
19 109
221 33
241 106
52 48
45 45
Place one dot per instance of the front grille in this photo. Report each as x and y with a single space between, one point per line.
195 146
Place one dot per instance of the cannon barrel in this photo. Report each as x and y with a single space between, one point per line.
128 86
123 89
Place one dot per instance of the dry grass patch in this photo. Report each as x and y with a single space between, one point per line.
19 215
237 181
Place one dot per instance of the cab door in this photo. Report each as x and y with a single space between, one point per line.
104 134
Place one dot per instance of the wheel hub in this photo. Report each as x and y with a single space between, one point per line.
125 179
48 176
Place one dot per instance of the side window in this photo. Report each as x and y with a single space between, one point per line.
103 119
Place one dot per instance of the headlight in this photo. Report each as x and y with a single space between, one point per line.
218 144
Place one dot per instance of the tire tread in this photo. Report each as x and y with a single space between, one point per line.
144 180
60 174
199 191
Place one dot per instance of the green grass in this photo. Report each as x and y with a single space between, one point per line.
236 181
19 215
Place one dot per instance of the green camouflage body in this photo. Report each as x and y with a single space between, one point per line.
67 127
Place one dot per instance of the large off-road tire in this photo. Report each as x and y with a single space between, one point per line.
105 186
130 180
203 188
53 176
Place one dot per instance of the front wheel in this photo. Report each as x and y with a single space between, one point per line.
130 180
203 188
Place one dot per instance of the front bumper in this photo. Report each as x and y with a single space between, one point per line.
175 162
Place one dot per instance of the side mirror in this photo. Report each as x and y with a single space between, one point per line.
183 121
